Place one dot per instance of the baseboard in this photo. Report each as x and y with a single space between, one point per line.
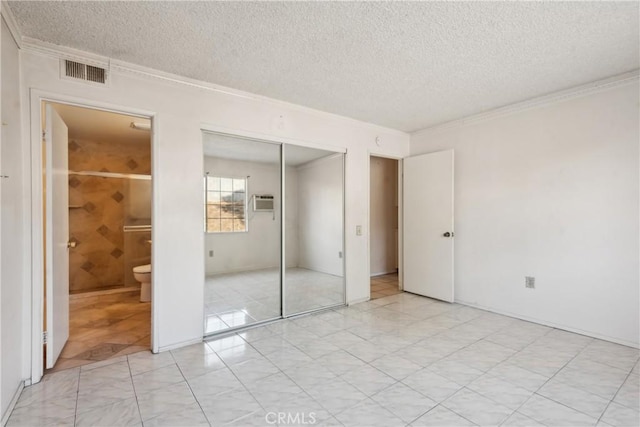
209 274
180 344
12 404
383 273
357 301
553 325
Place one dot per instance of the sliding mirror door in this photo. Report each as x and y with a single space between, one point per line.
314 229
242 188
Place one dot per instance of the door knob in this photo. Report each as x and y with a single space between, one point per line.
448 234
71 244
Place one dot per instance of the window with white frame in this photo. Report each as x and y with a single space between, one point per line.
226 202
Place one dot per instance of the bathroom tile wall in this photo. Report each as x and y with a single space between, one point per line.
97 212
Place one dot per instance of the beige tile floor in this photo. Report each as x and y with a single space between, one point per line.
104 326
383 286
400 360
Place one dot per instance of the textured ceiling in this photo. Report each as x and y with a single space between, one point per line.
406 65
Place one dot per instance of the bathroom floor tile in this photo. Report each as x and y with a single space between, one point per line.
103 327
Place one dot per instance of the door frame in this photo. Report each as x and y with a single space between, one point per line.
400 215
38 250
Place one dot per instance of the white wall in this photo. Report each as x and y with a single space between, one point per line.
259 247
320 215
551 192
13 360
383 215
181 110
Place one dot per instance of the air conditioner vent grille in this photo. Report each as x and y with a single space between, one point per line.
96 74
90 73
75 69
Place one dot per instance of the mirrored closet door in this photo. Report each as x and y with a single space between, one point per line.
242 187
261 266
314 225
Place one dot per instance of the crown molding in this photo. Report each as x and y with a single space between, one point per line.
553 98
57 51
10 20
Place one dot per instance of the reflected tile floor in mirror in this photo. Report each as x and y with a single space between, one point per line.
243 298
401 360
105 325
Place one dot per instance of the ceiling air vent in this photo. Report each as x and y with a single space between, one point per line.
80 71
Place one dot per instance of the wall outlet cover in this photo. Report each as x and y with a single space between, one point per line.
529 282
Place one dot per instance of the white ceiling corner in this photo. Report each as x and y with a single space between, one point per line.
403 65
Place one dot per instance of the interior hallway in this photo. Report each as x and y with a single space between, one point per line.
105 325
395 361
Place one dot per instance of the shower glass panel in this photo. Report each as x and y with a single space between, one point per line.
242 225
137 225
314 229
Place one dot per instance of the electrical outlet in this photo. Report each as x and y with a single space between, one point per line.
529 282
340 254
210 254
358 230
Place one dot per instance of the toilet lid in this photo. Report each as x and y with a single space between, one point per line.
142 269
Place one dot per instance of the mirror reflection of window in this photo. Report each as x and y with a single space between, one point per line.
226 202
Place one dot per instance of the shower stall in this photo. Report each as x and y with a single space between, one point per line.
109 227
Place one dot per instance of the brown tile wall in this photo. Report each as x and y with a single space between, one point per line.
97 209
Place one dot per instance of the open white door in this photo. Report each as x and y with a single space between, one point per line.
57 234
428 225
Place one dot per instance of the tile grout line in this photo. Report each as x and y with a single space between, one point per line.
189 385
517 352
337 376
293 380
239 380
440 359
546 382
404 347
75 411
135 392
448 409
484 372
615 394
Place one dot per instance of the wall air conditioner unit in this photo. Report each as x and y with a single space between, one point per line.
263 203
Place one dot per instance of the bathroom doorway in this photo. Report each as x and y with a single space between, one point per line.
97 210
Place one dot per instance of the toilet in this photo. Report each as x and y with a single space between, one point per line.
142 274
